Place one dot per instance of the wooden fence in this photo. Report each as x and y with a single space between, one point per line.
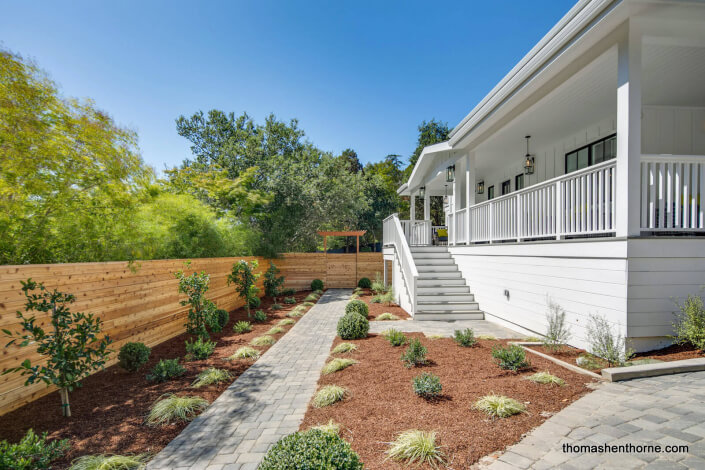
141 302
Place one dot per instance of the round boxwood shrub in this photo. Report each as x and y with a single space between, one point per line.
364 283
222 317
353 326
255 302
357 306
132 356
311 450
316 284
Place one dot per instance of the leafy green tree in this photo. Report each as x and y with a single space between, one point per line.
349 156
431 132
273 282
73 348
202 311
244 277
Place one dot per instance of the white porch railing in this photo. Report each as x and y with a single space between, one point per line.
580 203
393 235
418 232
672 192
460 226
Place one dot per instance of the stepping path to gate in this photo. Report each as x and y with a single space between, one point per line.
267 402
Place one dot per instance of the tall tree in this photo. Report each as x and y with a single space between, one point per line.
349 156
431 132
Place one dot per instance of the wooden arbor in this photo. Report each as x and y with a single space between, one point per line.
345 233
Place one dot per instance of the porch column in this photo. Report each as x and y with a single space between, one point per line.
628 133
469 191
412 207
426 206
454 206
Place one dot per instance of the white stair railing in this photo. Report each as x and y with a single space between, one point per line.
394 236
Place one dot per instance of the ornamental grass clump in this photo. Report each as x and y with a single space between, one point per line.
689 327
386 316
275 330
211 376
31 452
465 338
512 357
395 337
378 286
133 356
415 354
242 327
264 340
557 332
174 409
359 307
343 348
311 450
308 304
245 352
498 406
110 462
427 385
311 297
416 446
276 307
353 326
337 364
285 321
546 378
387 298
166 369
486 337
328 395
330 427
199 349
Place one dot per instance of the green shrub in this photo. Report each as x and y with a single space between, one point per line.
199 349
275 330
311 450
427 385
344 348
689 327
316 284
289 300
166 369
377 299
263 341
328 395
353 326
512 357
245 352
272 282
416 446
386 316
260 316
465 338
201 314
242 327
288 291
174 409
255 302
244 277
133 356
286 321
32 452
557 332
110 462
211 376
222 317
276 307
358 306
364 283
330 427
415 354
546 378
605 343
498 406
395 337
378 286
336 365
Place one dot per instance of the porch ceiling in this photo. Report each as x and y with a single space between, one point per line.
673 74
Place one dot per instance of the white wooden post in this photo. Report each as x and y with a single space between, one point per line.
454 206
426 206
412 208
628 133
469 192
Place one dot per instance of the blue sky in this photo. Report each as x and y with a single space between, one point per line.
359 74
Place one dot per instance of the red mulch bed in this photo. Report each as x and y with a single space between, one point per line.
109 409
674 352
378 309
381 402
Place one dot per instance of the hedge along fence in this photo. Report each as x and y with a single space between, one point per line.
138 303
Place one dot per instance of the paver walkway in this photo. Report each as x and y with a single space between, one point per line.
446 328
666 410
267 402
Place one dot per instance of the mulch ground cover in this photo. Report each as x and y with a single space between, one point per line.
376 309
108 411
674 352
381 403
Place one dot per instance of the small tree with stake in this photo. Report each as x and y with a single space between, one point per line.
73 349
272 282
244 277
202 312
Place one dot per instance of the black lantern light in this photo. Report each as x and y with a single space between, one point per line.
450 174
422 192
528 159
480 187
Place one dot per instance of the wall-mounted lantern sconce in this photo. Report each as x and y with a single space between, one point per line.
528 159
450 174
422 192
480 189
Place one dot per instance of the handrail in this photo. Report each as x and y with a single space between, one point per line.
394 236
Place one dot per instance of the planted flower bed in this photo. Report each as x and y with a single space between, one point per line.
385 397
109 411
378 305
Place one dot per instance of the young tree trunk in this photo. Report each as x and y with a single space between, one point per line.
65 406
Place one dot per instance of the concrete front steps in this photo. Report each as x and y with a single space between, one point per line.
442 292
